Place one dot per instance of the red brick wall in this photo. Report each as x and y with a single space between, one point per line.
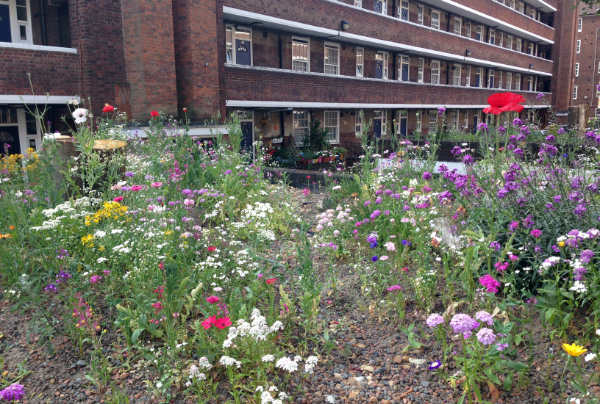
249 84
55 73
148 49
564 54
329 15
199 52
588 62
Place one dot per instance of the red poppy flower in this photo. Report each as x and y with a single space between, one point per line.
271 281
209 322
222 322
211 248
108 108
154 114
503 102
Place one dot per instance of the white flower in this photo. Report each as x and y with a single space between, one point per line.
101 260
598 332
330 399
204 363
80 115
73 101
229 361
287 364
590 357
268 358
578 287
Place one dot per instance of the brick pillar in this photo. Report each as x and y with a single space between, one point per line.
563 53
199 55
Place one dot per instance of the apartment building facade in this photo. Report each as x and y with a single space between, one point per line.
280 65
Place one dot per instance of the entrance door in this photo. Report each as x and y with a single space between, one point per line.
247 126
403 123
9 140
377 127
5 23
475 122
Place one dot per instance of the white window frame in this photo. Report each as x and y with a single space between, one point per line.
509 41
358 123
420 70
432 117
530 48
517 84
358 3
360 61
599 67
331 46
520 6
404 7
420 13
437 65
327 127
500 74
508 81
402 60
578 46
402 113
457 74
479 31
519 45
16 24
419 121
468 77
383 6
297 58
455 119
386 61
458 20
468 29
304 128
439 16
579 24
479 73
492 36
234 32
577 69
529 83
491 81
574 94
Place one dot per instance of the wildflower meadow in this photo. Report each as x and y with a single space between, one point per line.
185 270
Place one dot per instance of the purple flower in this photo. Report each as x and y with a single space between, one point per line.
517 122
514 225
537 233
434 365
463 323
488 282
484 317
501 347
375 214
579 273
434 320
14 392
468 159
539 96
486 336
50 288
441 110
129 174
586 256
495 245
374 258
426 175
580 209
482 126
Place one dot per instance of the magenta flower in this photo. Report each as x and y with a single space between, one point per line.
488 282
537 233
212 299
501 266
14 392
95 279
394 288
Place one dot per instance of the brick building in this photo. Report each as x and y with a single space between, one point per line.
280 64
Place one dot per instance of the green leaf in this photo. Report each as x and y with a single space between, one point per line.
136 335
488 372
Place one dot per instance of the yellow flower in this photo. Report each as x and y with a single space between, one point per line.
561 243
88 240
574 349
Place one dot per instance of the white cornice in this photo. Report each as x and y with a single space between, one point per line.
37 99
351 105
41 48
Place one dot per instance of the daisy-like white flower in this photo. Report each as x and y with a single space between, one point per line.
80 115
287 364
590 357
268 358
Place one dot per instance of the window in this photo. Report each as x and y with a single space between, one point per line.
468 77
578 47
468 29
420 12
599 67
519 45
238 45
491 76
508 81
479 32
518 81
499 85
381 65
360 62
358 122
357 3
509 41
456 73
520 7
530 48
403 68
478 74
457 25
404 10
492 36
419 125
301 127
432 122
331 63
510 3
301 54
576 69
420 65
331 124
574 92
379 123
15 21
454 119
530 83
402 123
579 26
380 6
435 19
435 72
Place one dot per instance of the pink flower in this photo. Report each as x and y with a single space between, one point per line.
488 282
212 299
306 191
95 278
537 233
501 266
394 288
209 322
118 199
222 323
156 184
136 188
271 281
